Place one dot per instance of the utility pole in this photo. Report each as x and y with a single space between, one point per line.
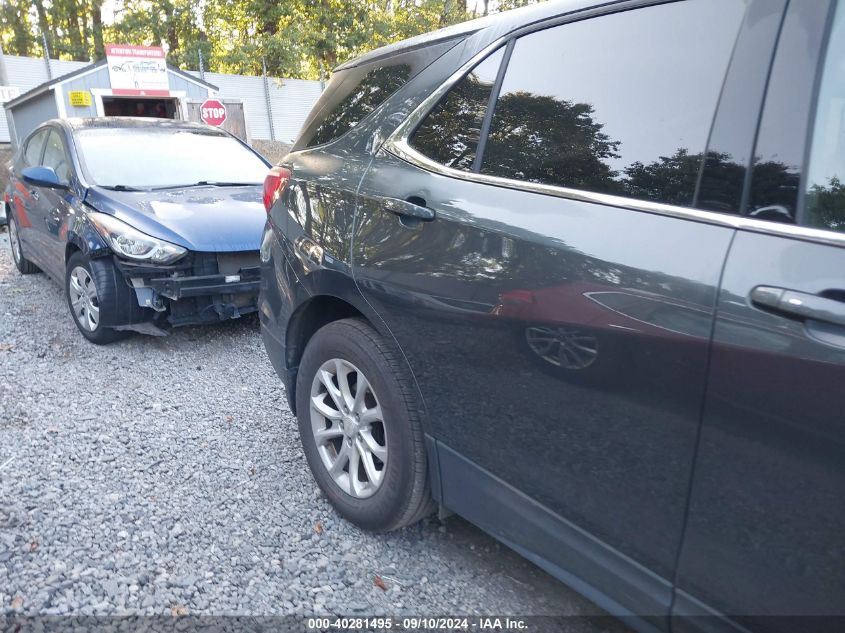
46 55
267 98
4 78
202 66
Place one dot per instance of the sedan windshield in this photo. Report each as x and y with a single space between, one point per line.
149 158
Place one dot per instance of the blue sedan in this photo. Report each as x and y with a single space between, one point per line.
148 224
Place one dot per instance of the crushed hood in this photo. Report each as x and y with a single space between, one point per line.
211 219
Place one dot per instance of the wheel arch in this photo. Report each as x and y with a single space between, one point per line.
320 310
315 313
83 237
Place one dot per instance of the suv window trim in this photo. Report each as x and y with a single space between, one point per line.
815 98
398 144
484 132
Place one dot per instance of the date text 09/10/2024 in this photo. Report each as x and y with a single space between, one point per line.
418 623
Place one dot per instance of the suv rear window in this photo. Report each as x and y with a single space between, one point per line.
451 132
353 93
357 97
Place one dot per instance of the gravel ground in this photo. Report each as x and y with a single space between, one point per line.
165 475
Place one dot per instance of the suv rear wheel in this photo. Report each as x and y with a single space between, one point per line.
360 427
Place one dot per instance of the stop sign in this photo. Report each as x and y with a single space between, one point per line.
213 112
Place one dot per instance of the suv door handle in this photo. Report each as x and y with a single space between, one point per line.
408 208
800 305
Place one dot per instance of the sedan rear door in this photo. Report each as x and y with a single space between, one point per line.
25 197
54 205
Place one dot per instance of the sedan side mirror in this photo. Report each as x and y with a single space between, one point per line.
42 177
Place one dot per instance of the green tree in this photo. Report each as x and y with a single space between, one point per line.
296 38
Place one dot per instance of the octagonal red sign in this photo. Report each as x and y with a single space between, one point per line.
213 112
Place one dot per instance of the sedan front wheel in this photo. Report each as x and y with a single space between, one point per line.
91 292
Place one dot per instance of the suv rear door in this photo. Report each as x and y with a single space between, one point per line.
765 531
557 310
314 229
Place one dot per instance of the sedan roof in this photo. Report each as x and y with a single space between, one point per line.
129 123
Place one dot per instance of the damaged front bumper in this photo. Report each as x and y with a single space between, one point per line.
200 288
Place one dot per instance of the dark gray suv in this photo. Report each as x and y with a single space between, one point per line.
577 273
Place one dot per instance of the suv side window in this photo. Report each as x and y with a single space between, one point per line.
824 201
619 104
32 151
55 156
451 131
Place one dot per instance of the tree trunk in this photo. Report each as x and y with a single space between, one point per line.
22 42
97 28
76 52
170 28
447 10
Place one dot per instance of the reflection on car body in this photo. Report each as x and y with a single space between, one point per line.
549 230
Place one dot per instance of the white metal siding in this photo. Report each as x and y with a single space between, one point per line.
89 81
291 99
26 73
38 109
251 92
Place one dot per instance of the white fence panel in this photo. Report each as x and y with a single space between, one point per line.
251 91
292 100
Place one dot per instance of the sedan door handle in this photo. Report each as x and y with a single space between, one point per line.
799 305
410 208
54 219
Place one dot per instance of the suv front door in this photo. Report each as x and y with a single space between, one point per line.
764 535
557 310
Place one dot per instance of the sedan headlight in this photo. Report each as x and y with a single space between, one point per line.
127 241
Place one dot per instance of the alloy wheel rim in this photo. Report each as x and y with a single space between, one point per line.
563 347
348 428
14 238
83 299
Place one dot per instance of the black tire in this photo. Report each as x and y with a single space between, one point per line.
106 279
404 495
25 266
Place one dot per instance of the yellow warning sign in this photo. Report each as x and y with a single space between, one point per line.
79 98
